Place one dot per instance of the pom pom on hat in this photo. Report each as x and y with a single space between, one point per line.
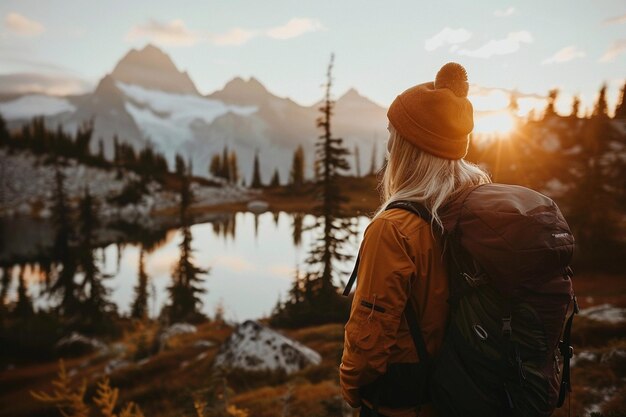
436 116
453 77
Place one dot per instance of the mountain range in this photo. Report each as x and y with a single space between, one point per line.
146 100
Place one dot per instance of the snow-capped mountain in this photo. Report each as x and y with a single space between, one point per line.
147 99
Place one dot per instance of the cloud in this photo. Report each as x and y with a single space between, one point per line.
615 20
59 85
176 33
295 27
504 13
23 26
235 36
563 55
508 45
617 48
447 36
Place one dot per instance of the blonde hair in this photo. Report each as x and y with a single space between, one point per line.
414 175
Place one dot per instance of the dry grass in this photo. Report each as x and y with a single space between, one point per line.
172 381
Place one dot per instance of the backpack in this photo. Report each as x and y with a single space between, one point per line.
507 250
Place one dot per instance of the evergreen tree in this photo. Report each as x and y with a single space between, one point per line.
601 108
116 150
215 168
321 302
575 107
101 149
256 173
297 167
275 182
96 305
552 96
357 161
297 229
24 306
4 132
233 168
374 163
186 277
139 308
595 185
620 108
336 230
5 284
64 284
179 164
225 165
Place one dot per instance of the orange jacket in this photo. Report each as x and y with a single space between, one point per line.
399 258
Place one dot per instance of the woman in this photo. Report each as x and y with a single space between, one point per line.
401 257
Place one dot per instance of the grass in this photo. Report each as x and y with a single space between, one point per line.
171 381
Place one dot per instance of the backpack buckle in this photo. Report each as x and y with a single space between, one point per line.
507 329
566 351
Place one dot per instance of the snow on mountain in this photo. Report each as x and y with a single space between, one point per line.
29 106
167 119
254 347
146 99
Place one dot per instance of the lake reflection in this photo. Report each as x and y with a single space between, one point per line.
252 260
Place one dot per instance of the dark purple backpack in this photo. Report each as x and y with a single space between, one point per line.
508 250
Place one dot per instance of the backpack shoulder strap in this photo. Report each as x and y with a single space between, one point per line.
567 352
409 313
413 207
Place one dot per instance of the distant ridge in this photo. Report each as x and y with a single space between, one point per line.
151 68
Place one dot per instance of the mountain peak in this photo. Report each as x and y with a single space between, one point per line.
351 94
251 86
153 69
240 91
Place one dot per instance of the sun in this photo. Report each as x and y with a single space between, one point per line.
500 123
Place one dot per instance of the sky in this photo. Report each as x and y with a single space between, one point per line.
381 48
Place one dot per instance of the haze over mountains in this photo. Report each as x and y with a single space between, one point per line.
147 100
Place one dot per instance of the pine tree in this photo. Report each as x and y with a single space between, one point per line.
64 283
256 173
215 168
601 108
225 171
357 161
139 308
233 168
575 107
297 167
179 164
186 277
620 108
275 182
96 304
4 132
297 229
334 226
595 185
374 163
24 306
552 96
101 150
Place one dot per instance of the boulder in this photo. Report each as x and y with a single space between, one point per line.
174 330
77 344
258 206
606 313
255 347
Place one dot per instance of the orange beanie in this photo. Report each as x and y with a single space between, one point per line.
436 117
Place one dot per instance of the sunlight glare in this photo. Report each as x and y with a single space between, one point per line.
501 123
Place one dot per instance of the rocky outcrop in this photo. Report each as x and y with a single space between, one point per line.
254 347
